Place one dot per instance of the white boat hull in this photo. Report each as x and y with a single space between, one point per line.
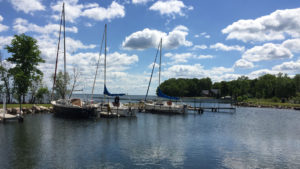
165 109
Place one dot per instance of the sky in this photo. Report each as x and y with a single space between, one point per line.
219 39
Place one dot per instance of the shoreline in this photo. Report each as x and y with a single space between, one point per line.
258 105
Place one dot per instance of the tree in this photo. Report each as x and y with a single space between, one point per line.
60 89
297 82
76 75
26 57
34 87
41 93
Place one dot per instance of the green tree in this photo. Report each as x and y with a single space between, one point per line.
297 82
41 93
60 90
26 57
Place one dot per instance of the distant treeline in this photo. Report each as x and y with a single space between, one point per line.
266 86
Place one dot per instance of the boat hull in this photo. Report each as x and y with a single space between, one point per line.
73 112
163 109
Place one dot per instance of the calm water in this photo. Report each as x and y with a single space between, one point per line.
249 138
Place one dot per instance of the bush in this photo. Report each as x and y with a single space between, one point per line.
245 97
239 98
275 99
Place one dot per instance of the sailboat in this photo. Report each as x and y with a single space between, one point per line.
107 108
162 106
73 107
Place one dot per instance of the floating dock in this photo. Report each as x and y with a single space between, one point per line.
10 117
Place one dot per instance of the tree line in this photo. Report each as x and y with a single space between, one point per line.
266 86
21 77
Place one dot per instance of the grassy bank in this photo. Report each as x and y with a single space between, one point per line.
269 103
27 105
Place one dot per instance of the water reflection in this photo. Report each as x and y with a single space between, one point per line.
249 138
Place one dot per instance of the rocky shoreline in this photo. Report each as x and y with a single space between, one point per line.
244 104
33 110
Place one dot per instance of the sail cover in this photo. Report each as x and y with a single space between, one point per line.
106 92
161 94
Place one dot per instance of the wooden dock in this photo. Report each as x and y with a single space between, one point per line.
211 108
9 117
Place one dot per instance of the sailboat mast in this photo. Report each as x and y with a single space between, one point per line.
160 62
65 68
58 44
105 57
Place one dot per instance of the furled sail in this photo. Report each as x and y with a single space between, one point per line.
106 92
161 94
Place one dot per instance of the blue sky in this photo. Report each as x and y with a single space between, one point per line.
219 39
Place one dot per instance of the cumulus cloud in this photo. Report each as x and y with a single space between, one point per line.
140 1
170 7
242 63
292 44
98 13
2 27
5 40
73 10
198 71
149 38
221 46
196 47
268 51
94 11
288 67
261 72
275 26
23 26
184 57
27 6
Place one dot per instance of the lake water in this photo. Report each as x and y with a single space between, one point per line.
249 138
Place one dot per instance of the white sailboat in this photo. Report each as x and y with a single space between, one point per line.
163 106
107 108
73 107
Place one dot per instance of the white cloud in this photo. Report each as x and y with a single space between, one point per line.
199 47
75 10
2 27
275 26
179 58
149 38
204 57
27 6
292 44
140 1
184 57
221 46
23 26
242 63
5 41
198 71
261 72
288 67
203 34
73 45
98 13
170 7
207 36
72 10
150 66
268 51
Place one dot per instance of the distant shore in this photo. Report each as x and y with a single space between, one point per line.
269 105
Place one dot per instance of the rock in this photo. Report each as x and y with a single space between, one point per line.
36 109
14 111
8 110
